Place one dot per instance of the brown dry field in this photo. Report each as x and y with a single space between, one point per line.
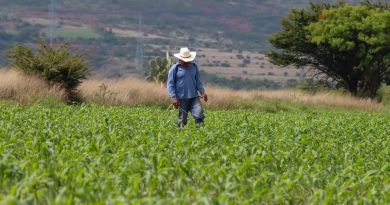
130 92
258 68
24 89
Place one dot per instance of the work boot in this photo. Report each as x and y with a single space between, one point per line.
199 125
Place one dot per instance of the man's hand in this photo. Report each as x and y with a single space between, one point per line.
204 96
175 102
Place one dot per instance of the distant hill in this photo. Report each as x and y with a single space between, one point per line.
122 35
242 23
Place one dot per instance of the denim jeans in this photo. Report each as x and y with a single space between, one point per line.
192 105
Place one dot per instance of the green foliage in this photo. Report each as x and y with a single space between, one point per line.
159 68
78 32
112 155
384 95
348 44
56 65
362 34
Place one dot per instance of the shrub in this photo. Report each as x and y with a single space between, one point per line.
312 86
239 56
58 66
384 95
225 64
246 61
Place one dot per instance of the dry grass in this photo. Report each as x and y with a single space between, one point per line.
24 89
127 92
325 99
132 92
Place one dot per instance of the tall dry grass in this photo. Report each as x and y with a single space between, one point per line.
24 89
132 92
126 92
325 98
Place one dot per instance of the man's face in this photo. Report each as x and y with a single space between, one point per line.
184 64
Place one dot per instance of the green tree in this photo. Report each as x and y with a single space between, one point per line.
348 44
56 65
159 68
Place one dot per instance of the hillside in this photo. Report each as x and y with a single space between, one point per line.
249 22
122 35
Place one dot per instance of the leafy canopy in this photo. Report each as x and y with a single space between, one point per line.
345 43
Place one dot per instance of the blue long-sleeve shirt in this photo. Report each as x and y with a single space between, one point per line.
187 82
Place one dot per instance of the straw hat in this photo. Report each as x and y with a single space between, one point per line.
185 55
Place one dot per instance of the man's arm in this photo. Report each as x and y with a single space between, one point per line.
200 85
171 87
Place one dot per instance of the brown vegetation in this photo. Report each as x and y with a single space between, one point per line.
130 92
24 89
262 99
135 92
127 92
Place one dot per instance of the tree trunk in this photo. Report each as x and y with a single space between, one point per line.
353 86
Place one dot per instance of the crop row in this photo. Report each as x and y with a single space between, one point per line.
101 155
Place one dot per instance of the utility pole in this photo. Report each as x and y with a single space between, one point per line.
301 73
139 56
52 27
193 44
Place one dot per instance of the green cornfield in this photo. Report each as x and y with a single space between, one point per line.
93 154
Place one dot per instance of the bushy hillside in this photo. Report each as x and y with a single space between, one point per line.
112 30
249 22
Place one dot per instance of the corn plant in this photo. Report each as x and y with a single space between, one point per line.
92 154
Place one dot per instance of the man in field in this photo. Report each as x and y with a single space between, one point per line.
185 88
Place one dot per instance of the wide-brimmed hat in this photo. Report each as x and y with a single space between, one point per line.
185 55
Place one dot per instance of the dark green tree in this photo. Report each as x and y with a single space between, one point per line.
348 44
57 65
